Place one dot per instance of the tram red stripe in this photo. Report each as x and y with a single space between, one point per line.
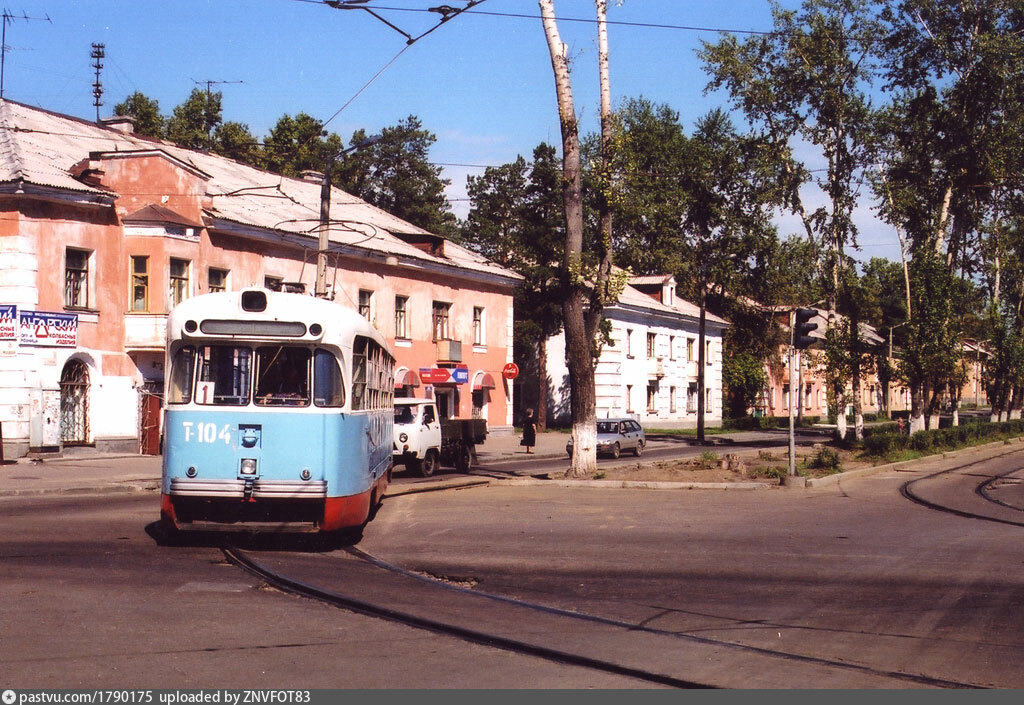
340 512
167 511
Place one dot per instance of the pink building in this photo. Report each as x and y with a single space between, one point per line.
103 232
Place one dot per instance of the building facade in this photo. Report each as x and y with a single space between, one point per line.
649 369
104 231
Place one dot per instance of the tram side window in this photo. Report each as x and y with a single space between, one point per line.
224 372
282 376
179 387
328 386
372 375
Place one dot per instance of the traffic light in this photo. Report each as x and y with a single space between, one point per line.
802 328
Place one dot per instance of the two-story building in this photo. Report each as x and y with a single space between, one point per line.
104 231
649 371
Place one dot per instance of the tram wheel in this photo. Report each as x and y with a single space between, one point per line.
428 466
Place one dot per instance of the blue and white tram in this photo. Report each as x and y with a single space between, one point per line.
278 414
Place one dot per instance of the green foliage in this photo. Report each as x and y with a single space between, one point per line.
707 460
146 113
767 471
826 459
192 122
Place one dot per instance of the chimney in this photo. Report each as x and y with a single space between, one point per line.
121 123
312 176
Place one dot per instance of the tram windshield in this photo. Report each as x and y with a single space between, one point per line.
282 376
223 375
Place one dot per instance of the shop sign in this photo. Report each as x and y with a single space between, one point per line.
510 371
8 322
444 375
48 329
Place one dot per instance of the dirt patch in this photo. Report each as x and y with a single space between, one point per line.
763 466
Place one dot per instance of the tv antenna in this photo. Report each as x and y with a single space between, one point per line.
98 52
8 17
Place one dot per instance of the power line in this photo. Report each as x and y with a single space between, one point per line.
7 17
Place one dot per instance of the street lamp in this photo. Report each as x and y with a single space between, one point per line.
325 214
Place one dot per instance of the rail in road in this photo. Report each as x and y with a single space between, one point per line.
354 580
974 490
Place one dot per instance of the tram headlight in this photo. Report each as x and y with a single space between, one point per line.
248 466
403 437
305 474
192 472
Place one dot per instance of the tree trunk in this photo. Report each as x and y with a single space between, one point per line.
917 395
855 382
701 364
934 405
582 400
800 387
954 400
542 384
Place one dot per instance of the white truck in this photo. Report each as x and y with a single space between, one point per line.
423 441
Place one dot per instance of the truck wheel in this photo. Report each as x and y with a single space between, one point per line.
428 466
464 458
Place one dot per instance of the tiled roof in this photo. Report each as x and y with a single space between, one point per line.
40 148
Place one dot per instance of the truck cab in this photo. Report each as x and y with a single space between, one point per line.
417 443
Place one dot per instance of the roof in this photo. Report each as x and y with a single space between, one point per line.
634 298
155 213
40 148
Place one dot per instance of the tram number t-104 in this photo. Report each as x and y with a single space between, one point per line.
206 432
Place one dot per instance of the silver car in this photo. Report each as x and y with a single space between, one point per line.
615 436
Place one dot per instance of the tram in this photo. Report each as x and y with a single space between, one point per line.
278 414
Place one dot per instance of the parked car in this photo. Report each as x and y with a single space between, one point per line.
615 436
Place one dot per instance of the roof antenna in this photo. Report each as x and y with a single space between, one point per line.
98 52
8 17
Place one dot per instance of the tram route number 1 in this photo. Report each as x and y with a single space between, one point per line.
206 432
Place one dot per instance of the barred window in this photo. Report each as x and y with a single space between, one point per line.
373 375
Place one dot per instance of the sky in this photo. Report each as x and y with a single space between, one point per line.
482 82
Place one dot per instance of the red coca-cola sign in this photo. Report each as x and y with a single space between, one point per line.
510 371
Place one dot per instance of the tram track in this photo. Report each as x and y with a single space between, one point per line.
576 657
911 491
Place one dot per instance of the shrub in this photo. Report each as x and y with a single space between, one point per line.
884 444
921 441
826 459
707 460
768 471
765 455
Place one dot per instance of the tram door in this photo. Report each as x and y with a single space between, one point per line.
74 403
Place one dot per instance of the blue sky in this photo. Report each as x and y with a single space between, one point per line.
482 82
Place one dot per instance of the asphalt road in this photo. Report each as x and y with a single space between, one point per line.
848 586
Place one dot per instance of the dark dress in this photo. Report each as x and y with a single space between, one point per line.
529 433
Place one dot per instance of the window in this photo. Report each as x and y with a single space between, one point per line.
401 324
273 283
76 278
671 347
691 398
224 372
441 313
178 280
366 304
707 352
652 397
179 388
282 376
707 402
672 400
373 375
140 283
478 325
651 341
629 398
328 385
629 342
217 280
807 397
689 349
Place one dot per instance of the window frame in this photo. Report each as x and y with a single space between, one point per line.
366 306
178 286
82 276
402 317
479 322
210 287
440 317
138 279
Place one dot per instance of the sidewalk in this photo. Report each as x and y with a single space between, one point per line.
87 472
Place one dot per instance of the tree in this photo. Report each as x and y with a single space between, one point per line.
296 144
396 174
146 113
587 289
808 79
192 122
234 141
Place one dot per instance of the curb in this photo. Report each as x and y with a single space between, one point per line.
136 487
903 464
635 484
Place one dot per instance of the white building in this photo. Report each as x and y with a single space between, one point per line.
649 372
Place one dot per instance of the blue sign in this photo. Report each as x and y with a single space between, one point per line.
460 375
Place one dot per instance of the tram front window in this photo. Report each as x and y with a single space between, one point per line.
223 375
282 377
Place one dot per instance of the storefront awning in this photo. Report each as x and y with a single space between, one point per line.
483 380
406 378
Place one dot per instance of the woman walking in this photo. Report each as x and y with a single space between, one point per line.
529 432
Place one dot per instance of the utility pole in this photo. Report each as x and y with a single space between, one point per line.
323 241
98 53
9 18
791 472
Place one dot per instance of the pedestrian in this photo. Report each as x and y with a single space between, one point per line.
900 422
529 432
